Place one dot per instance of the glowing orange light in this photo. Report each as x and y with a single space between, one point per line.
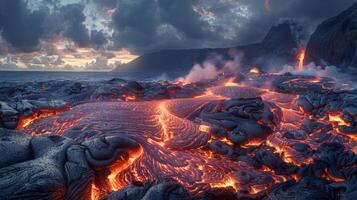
36 115
231 83
204 128
337 119
95 193
332 178
254 70
207 93
226 141
129 97
257 189
252 143
316 80
163 121
296 177
115 170
229 182
301 58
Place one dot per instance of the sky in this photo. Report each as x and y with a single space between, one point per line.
104 34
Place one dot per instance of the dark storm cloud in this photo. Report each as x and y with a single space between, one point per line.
306 12
23 28
20 27
98 38
107 3
181 15
136 22
145 25
70 20
150 25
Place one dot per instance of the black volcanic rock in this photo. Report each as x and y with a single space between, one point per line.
279 46
307 188
158 190
335 40
14 147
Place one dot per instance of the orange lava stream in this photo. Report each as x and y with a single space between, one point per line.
301 58
95 192
115 170
36 115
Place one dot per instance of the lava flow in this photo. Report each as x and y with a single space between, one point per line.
38 114
204 142
301 58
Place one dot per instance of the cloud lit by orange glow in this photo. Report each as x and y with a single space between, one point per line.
63 54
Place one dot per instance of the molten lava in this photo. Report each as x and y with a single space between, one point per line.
231 83
37 115
95 192
128 97
173 143
116 169
336 118
301 58
205 128
254 70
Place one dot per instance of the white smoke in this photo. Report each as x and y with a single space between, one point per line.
209 70
329 71
162 77
198 73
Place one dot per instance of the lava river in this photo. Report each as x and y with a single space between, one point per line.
172 140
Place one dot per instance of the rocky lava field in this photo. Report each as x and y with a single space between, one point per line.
252 136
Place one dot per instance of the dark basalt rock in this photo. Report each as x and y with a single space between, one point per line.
220 193
14 147
348 189
10 112
41 177
8 116
307 188
310 126
27 107
158 190
338 102
265 156
237 119
79 175
102 151
55 167
334 41
75 88
334 159
221 148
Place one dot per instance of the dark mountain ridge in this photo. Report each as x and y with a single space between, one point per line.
279 46
335 40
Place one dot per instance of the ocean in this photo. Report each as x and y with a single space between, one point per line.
40 76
